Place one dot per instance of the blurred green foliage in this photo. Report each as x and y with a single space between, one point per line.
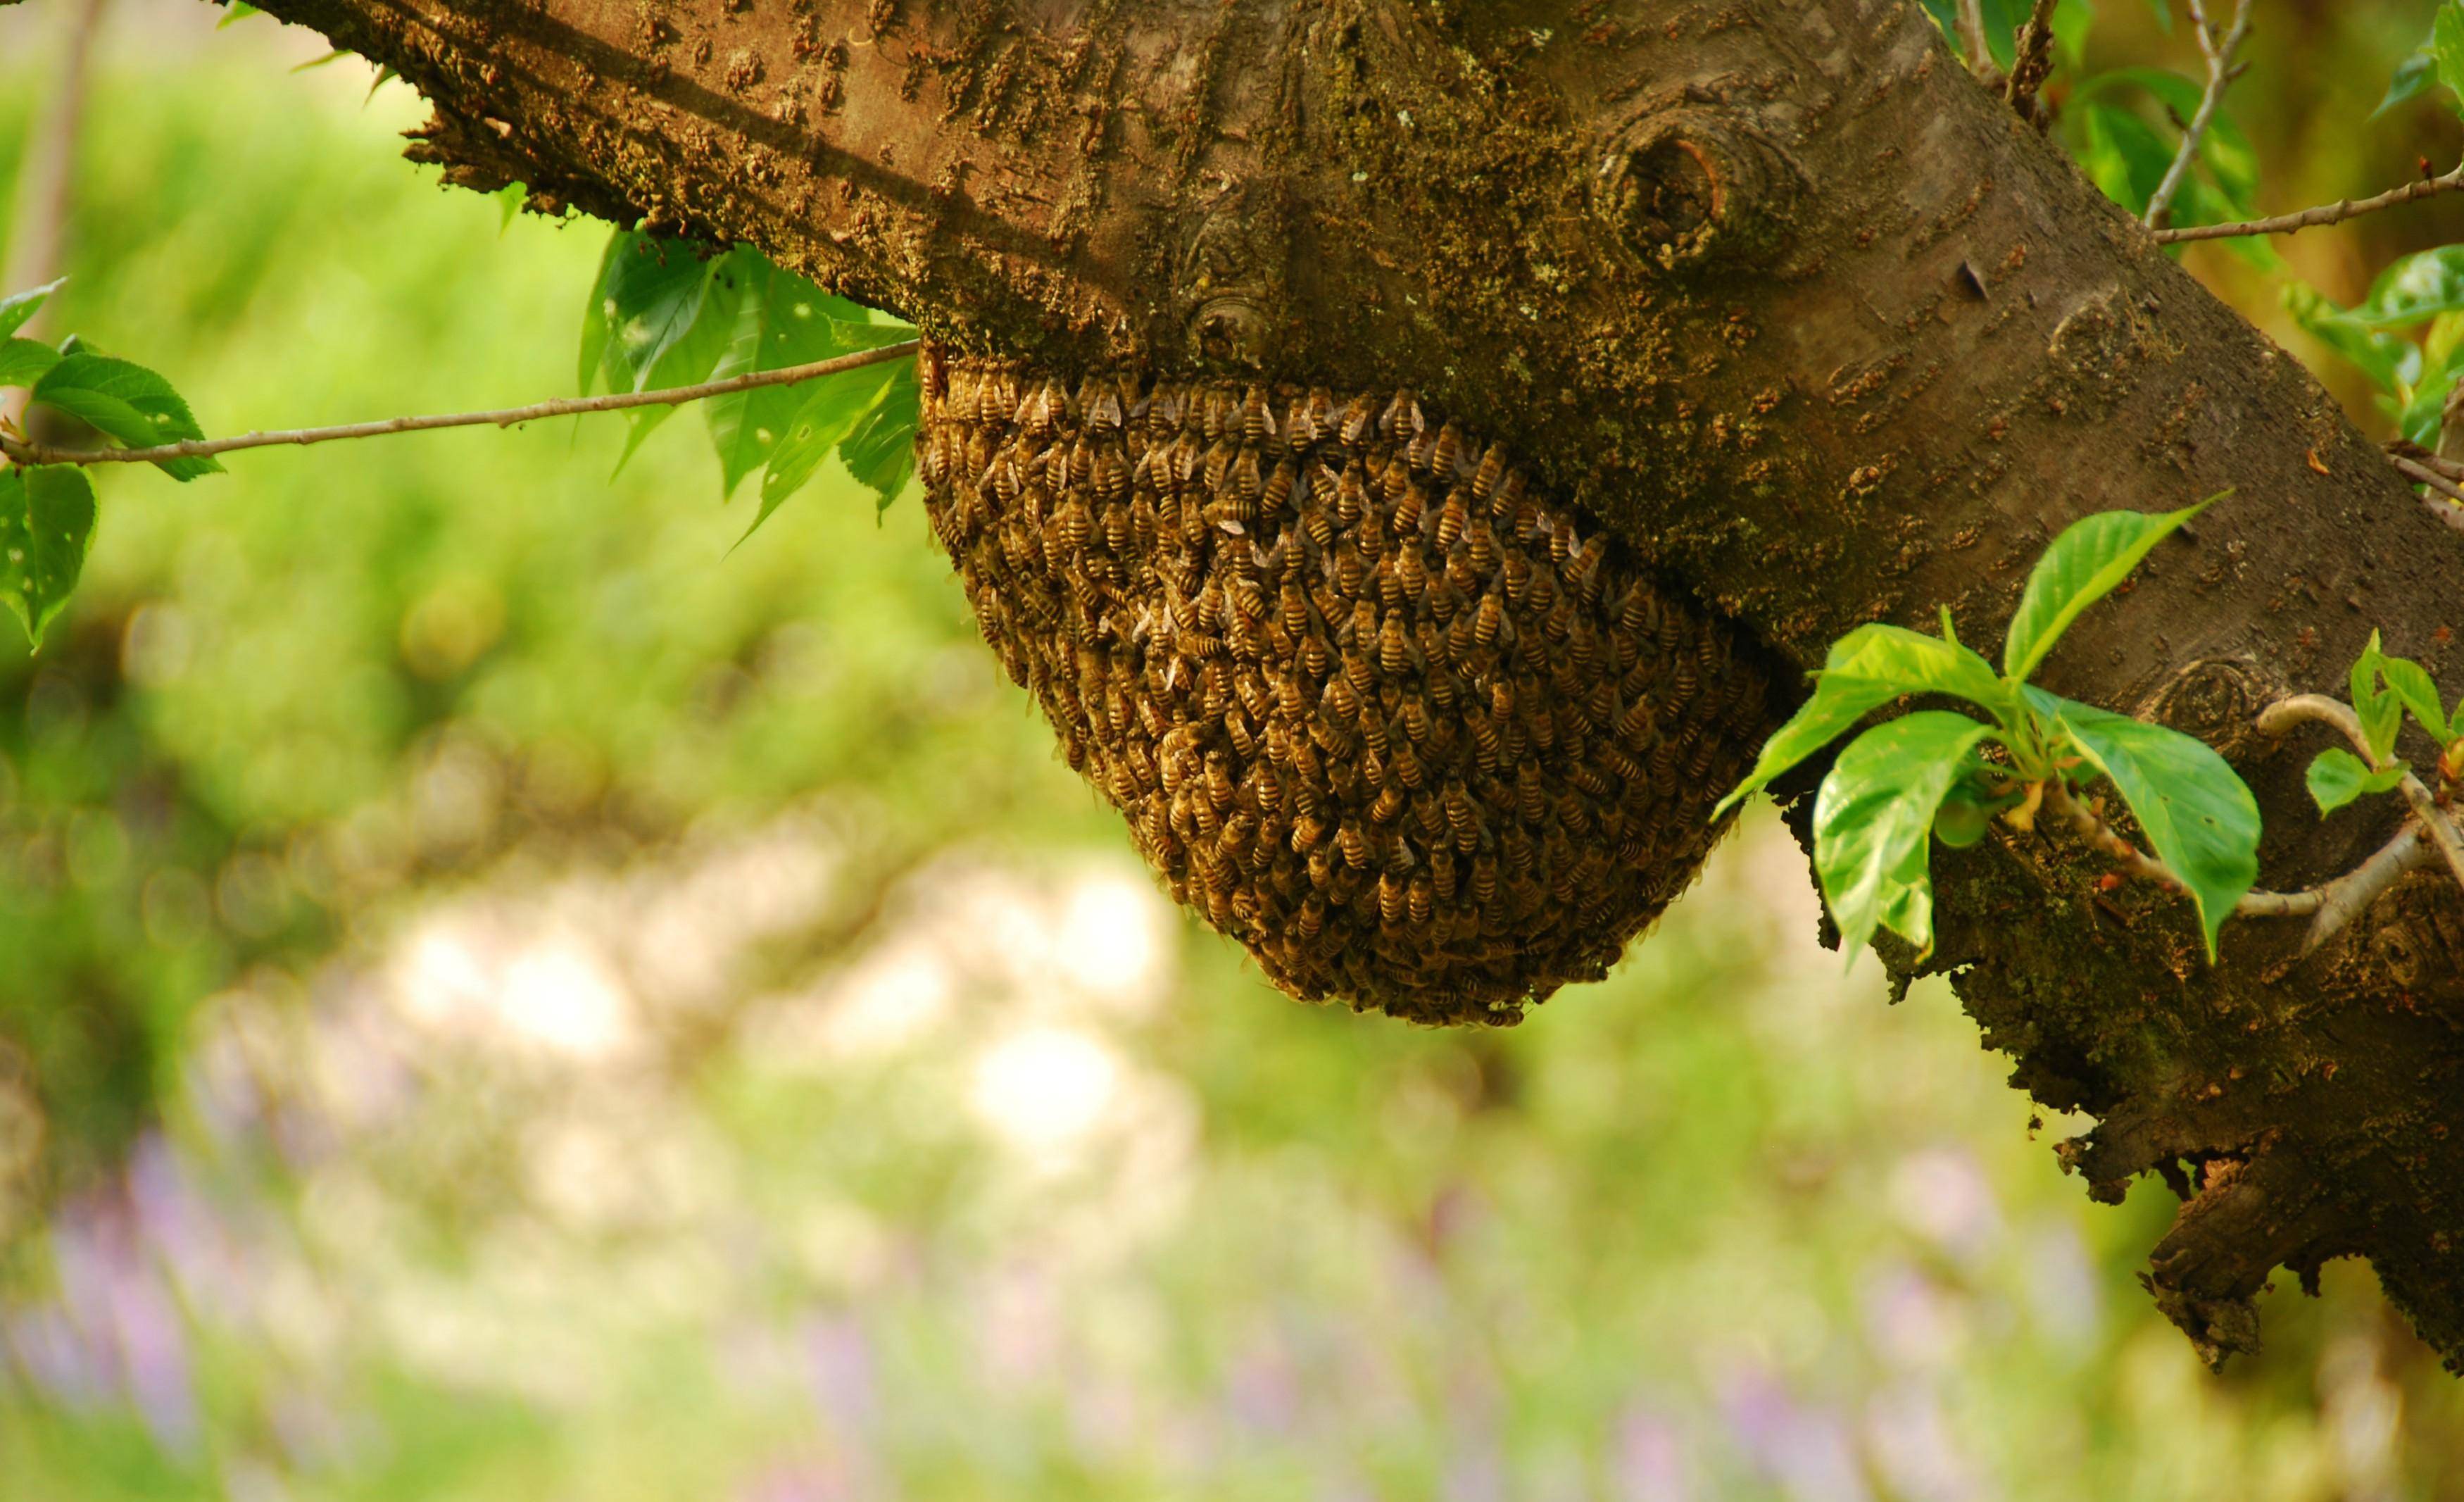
638 1019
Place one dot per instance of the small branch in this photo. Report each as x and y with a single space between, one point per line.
2335 212
2450 469
2350 895
2091 826
24 452
2035 61
2221 72
1972 39
2279 718
2451 514
2433 817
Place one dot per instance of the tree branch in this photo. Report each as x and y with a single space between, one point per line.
25 452
2335 212
2221 72
2034 59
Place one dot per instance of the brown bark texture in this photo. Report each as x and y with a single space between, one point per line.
1774 289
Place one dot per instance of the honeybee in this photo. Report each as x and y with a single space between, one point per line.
1358 420
1341 700
1484 879
1354 845
1257 418
1351 495
1406 765
1393 645
1402 419
1488 746
1389 805
1392 905
1278 491
1372 730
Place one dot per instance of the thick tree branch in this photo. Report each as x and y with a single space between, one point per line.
1817 326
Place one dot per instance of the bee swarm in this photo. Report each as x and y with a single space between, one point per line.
1415 737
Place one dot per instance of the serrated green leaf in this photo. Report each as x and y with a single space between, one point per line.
2197 813
881 452
2391 363
2123 155
17 307
690 360
650 298
2447 50
2338 777
126 401
783 320
1866 670
24 359
2413 686
832 410
46 524
2091 557
1872 817
2413 289
2413 77
2380 712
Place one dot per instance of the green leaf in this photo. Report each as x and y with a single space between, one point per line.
2381 713
2447 48
509 203
17 307
1871 819
2417 287
837 405
2072 19
2196 811
648 300
2225 150
2412 685
690 360
881 452
783 320
336 55
2123 155
2412 77
1866 670
2391 363
2338 777
2164 10
240 11
46 522
23 360
2086 562
127 401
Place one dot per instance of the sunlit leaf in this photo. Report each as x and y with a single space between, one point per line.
2413 686
2415 288
126 401
2446 49
647 300
46 524
2198 814
1872 817
832 410
2072 19
881 452
1866 670
17 307
783 320
2391 363
2086 562
23 360
2380 712
2338 777
239 10
2412 77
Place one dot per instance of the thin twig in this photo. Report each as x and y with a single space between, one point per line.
2220 76
1972 39
2034 59
2344 891
2350 895
2451 514
2091 826
25 452
2402 449
2337 212
2284 714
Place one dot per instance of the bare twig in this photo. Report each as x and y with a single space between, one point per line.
2091 826
2447 468
2450 510
2350 895
25 452
2337 212
2284 714
2034 59
1972 39
2221 72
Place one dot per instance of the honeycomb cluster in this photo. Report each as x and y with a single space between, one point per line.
1418 738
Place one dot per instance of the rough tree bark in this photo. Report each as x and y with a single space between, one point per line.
1773 288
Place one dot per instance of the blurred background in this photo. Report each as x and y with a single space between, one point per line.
502 997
